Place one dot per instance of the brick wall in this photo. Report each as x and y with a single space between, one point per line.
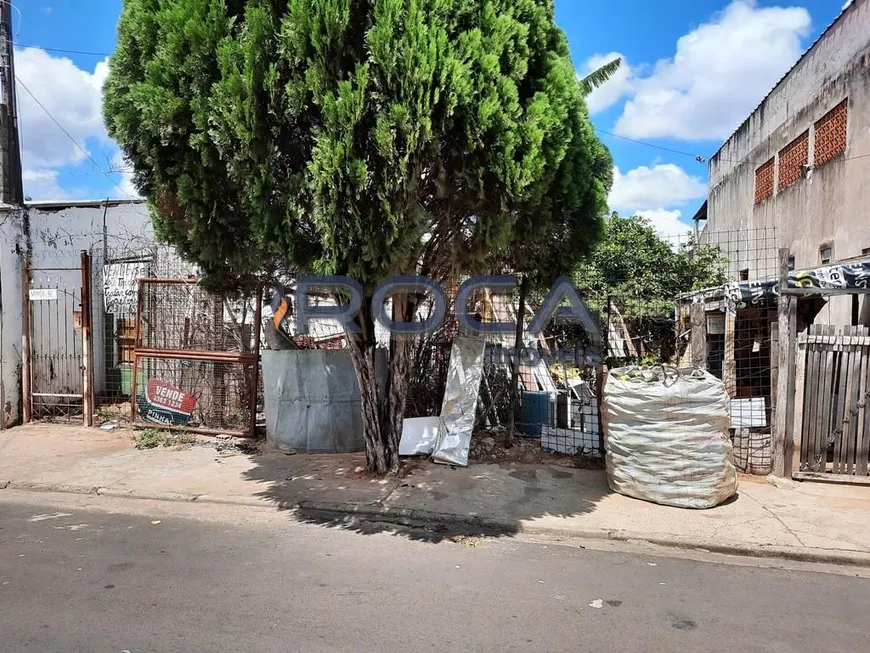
764 182
791 158
831 134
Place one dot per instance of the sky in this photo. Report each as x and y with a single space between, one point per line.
692 71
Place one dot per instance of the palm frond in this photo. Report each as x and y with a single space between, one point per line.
600 75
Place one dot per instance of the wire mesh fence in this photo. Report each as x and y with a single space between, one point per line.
177 316
642 298
114 290
195 363
197 394
651 300
728 329
555 410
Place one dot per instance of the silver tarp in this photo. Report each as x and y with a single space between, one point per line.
460 401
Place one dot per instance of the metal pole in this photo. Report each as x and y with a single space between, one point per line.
105 235
140 301
26 367
87 345
11 191
515 395
255 375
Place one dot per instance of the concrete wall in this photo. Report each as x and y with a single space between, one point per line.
60 230
827 206
58 234
54 234
11 241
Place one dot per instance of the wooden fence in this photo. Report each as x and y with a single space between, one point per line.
834 416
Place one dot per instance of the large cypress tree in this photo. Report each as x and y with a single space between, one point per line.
357 137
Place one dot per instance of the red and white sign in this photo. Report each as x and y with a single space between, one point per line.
162 395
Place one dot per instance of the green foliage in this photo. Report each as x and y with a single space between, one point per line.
148 439
355 137
600 75
641 275
358 137
153 438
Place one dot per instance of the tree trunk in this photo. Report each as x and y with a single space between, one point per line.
383 408
515 368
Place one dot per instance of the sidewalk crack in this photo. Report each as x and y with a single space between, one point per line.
392 491
777 518
784 525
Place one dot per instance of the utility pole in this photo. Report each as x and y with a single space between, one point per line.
11 190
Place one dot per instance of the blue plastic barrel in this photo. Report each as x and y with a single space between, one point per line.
536 412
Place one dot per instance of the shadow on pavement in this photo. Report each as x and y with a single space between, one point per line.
425 501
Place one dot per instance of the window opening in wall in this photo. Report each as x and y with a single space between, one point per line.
792 158
791 263
825 254
865 251
744 274
830 134
764 182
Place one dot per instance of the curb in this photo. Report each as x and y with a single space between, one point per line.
154 496
486 526
404 516
51 487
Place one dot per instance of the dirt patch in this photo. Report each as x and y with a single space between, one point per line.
489 447
118 413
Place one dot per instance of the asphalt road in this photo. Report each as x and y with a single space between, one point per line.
76 579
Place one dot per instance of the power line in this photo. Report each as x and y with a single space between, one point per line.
700 158
62 51
697 157
71 137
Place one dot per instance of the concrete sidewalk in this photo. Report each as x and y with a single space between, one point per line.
804 521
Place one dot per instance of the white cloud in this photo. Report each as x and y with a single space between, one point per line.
721 70
654 193
72 95
666 223
664 185
42 184
614 89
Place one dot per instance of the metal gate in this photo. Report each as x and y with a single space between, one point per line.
56 377
835 425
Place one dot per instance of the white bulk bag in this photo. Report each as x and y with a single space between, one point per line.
666 436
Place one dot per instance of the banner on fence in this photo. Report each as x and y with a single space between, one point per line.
844 276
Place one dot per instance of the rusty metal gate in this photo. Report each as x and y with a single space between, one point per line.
835 424
56 375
